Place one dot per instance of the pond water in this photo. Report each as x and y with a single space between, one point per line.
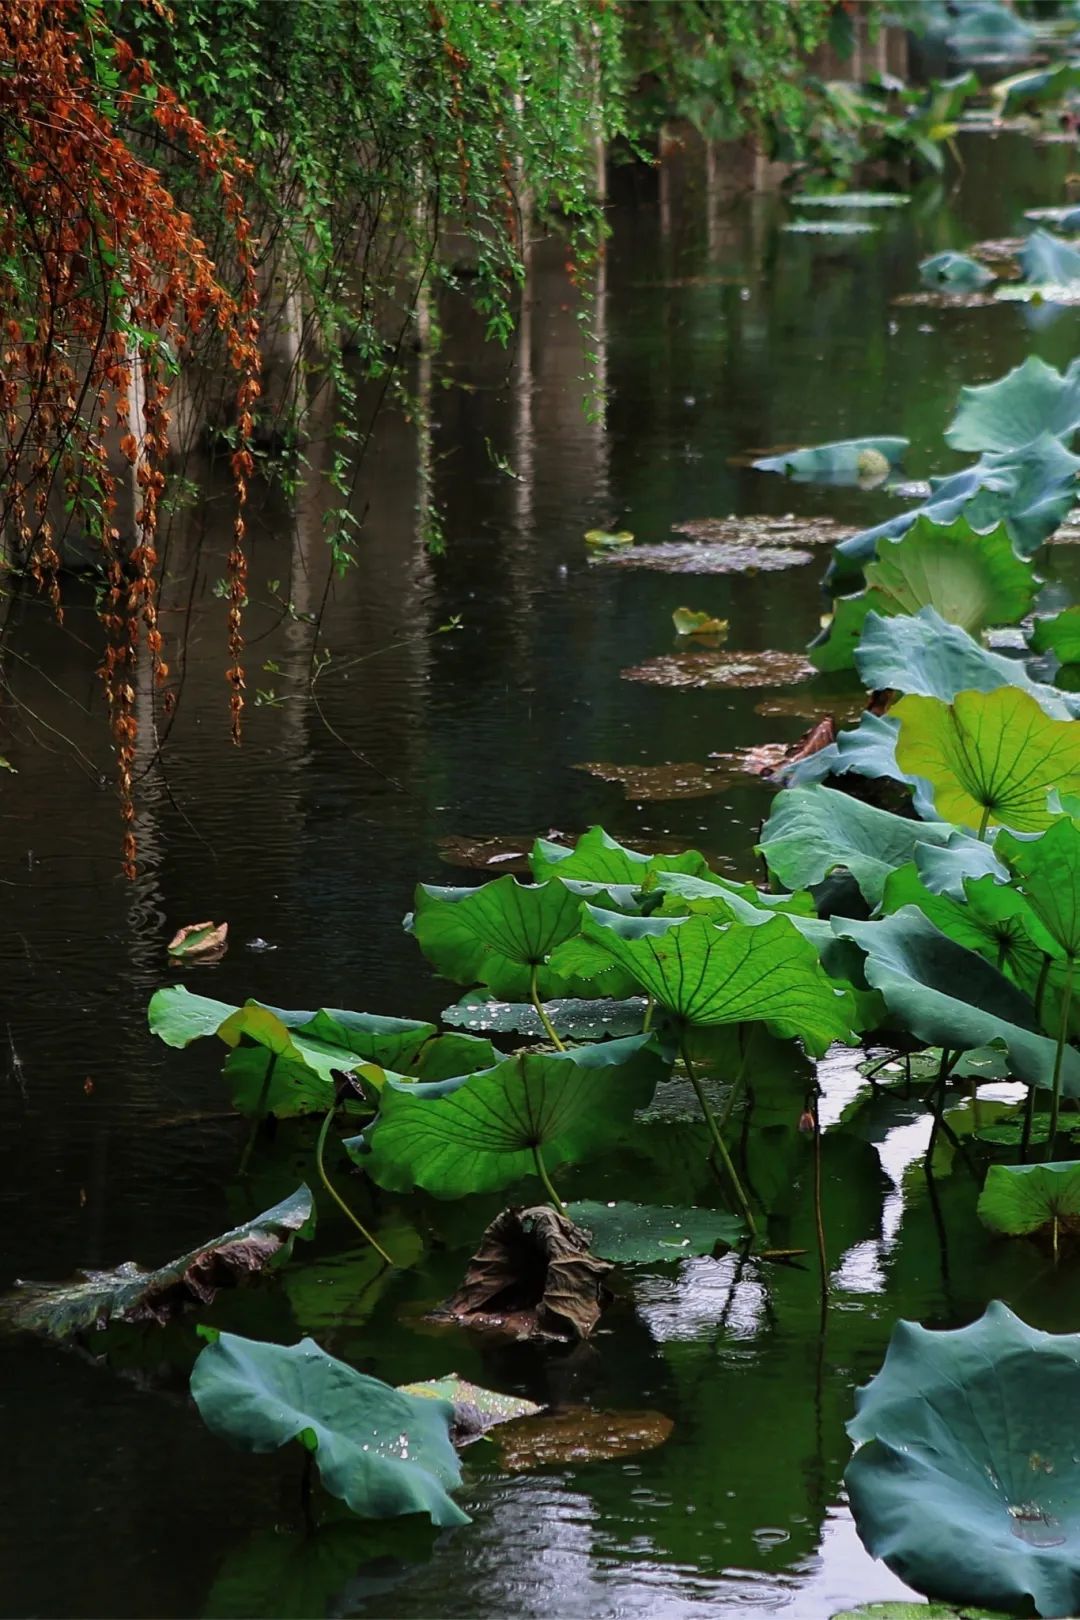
720 334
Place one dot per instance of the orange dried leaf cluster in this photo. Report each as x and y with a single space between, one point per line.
105 283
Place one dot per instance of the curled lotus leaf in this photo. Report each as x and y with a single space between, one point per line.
381 1451
965 1480
690 622
955 272
130 1294
970 578
847 461
991 758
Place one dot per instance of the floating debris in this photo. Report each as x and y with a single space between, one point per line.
703 670
786 530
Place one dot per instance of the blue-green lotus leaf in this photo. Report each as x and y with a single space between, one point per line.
924 656
1005 415
816 830
990 30
948 996
945 869
383 1452
966 1481
848 461
955 272
482 1132
1048 261
1035 88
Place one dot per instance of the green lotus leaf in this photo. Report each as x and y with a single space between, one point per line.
926 657
1047 870
951 997
704 975
969 578
485 1131
1008 414
1022 1198
848 461
178 1017
1059 635
383 1453
639 1234
955 272
993 919
965 1478
1047 261
729 892
1035 89
991 758
834 648
599 858
574 1018
916 1611
502 934
130 1294
814 831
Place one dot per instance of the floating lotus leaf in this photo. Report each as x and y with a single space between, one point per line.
965 1479
1047 261
814 831
830 227
579 1434
485 854
1005 415
765 530
660 783
601 540
129 1294
955 271
383 1452
1059 635
705 670
848 461
1019 1199
924 656
969 578
991 758
687 622
573 1018
484 1132
947 996
690 557
502 934
738 973
639 1234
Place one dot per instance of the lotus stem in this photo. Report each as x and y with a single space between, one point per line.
819 1221
332 1190
260 1115
1029 1120
305 1491
1054 1229
650 1008
541 1170
540 1012
1059 1055
984 821
720 1144
1040 987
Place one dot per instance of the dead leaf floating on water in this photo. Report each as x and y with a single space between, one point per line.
487 854
532 1277
663 783
579 1434
703 670
787 530
691 557
206 940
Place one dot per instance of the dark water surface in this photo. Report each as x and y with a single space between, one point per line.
720 334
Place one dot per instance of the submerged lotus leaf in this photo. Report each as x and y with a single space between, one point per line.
502 934
926 657
483 1133
1047 261
1059 635
579 1434
991 758
599 858
639 1234
848 461
965 1481
692 557
1022 1198
1031 399
956 272
970 578
705 975
383 1452
129 1294
705 670
948 996
814 831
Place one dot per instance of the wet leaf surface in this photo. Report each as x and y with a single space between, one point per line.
579 1434
703 670
476 1410
129 1294
572 1017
